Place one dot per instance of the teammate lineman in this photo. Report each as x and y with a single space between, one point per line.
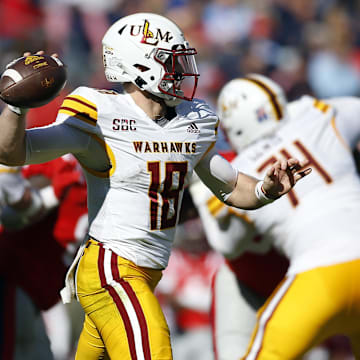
138 150
315 225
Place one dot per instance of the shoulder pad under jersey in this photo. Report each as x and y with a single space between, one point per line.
307 105
196 109
80 109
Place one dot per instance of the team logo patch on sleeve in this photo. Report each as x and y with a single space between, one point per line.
81 108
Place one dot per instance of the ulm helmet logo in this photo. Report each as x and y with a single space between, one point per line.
148 35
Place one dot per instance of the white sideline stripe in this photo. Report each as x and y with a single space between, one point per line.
13 74
265 317
127 304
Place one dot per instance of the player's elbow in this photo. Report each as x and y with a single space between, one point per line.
242 202
11 156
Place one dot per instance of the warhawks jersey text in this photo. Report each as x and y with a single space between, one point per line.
164 147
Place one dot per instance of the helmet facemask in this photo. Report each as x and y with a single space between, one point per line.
180 72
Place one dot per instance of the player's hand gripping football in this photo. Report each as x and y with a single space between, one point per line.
282 176
32 81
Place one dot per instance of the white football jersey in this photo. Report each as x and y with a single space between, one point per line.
317 222
134 204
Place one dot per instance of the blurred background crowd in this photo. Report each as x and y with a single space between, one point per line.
307 46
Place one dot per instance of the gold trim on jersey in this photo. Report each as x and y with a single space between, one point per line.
240 215
81 108
278 111
323 107
9 170
106 173
338 135
208 150
217 127
215 206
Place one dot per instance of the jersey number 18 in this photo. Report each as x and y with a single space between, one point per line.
169 192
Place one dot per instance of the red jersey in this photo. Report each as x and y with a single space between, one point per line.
70 188
33 258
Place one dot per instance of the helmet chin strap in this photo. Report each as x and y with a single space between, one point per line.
173 102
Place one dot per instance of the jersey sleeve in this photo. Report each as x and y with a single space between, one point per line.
217 174
50 142
80 110
346 119
76 119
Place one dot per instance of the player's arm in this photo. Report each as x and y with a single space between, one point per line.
243 191
12 134
12 137
19 146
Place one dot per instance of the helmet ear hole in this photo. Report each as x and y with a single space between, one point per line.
142 68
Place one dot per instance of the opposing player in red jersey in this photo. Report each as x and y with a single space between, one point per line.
17 310
34 257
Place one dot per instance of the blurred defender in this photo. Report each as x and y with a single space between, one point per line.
316 226
138 150
22 327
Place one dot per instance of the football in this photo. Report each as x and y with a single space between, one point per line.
32 81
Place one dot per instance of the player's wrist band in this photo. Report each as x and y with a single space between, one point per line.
261 195
17 110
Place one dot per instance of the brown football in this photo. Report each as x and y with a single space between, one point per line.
32 81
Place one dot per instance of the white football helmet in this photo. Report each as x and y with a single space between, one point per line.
150 51
250 108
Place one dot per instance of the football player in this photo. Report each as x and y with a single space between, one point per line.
22 327
251 272
138 149
61 213
58 236
314 225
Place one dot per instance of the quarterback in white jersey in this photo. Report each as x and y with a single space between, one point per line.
314 225
138 150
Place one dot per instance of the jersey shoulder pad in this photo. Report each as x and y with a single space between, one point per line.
309 105
80 109
196 110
